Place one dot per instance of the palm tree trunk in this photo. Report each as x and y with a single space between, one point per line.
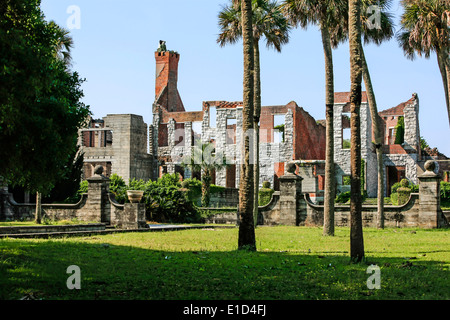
256 116
377 139
206 185
356 233
444 68
246 187
38 214
328 217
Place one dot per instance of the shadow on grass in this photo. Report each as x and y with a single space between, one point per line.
39 270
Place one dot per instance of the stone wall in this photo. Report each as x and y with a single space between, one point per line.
127 154
290 206
342 156
98 205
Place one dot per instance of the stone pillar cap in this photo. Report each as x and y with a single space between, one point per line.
98 174
429 166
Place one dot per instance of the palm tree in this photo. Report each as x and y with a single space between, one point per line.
425 27
385 31
64 43
246 238
372 34
205 160
355 44
327 15
268 22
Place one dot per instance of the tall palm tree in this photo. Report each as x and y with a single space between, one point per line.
355 44
246 239
372 33
425 27
268 22
383 32
326 14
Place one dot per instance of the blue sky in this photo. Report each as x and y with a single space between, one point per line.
115 45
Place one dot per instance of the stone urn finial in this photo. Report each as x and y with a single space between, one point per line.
430 165
135 196
290 168
98 170
430 168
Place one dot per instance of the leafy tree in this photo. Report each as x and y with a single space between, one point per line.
66 187
423 143
40 107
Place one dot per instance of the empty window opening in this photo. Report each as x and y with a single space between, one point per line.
163 136
346 131
346 180
179 135
196 133
231 176
97 138
279 128
231 131
212 117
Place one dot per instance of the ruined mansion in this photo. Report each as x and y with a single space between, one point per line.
125 145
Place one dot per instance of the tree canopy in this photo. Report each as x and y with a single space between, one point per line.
40 107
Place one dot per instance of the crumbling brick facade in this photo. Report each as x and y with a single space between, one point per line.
287 133
220 122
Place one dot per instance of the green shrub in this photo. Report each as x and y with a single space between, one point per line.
394 198
445 190
216 189
265 194
170 179
137 185
394 187
169 203
343 197
193 188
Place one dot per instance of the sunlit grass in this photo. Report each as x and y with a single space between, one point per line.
291 263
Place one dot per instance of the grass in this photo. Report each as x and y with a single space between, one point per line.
291 263
45 222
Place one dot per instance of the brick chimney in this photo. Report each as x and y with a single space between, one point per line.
166 91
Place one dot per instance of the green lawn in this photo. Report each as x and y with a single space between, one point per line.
291 263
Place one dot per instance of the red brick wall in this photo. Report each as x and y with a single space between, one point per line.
309 137
387 123
167 77
163 135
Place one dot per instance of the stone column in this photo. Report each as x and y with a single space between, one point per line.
429 197
6 211
98 189
133 216
290 195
